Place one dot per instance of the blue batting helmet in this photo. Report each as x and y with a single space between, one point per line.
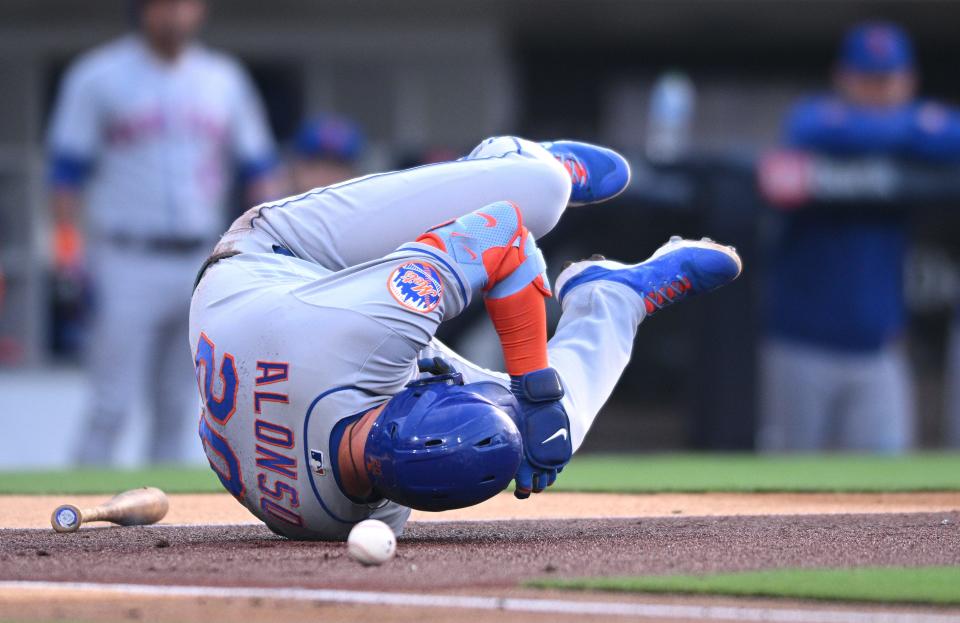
438 446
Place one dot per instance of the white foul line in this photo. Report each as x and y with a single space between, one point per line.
552 606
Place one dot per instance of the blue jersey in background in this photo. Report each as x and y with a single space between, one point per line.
837 275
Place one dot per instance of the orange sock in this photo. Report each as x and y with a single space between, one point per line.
521 322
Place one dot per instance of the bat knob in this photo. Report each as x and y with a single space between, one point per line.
66 518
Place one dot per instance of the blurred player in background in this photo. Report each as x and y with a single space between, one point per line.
145 136
835 372
69 293
326 150
11 351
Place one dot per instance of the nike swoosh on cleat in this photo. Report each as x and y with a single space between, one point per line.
491 222
560 433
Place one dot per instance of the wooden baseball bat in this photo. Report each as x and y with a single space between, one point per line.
137 507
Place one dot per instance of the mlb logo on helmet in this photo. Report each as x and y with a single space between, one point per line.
416 286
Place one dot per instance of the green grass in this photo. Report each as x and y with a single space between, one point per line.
749 472
170 479
601 473
927 585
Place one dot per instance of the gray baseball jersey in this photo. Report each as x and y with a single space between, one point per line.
288 349
162 139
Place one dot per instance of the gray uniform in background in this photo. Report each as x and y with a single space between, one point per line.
160 141
849 401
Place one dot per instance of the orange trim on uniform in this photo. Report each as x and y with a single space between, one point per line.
432 240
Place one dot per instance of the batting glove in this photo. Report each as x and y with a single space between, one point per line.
545 429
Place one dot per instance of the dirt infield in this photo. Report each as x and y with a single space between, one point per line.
465 555
474 558
33 511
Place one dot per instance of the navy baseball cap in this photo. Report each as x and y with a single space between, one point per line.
328 136
876 48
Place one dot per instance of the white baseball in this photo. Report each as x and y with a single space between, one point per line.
371 542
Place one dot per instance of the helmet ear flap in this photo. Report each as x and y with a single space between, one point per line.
440 447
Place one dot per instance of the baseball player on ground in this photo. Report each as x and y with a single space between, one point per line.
145 136
326 398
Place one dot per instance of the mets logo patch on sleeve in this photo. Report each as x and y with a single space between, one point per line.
416 286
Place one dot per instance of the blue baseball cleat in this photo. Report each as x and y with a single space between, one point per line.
597 173
678 269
